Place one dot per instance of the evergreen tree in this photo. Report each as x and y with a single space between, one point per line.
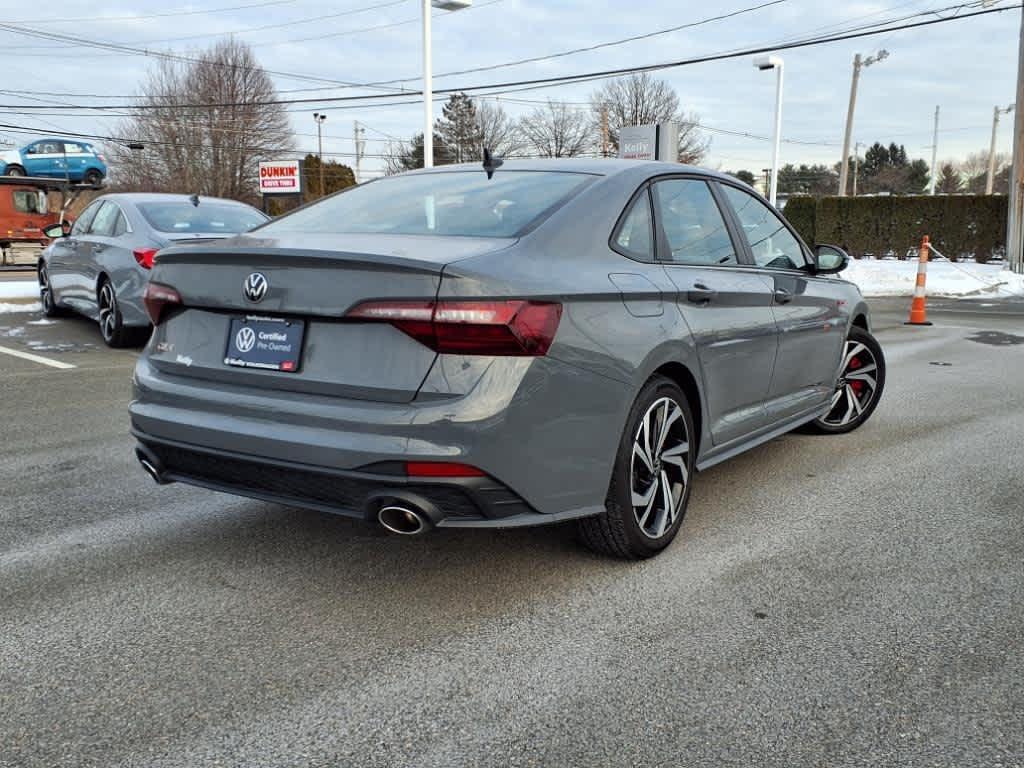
949 182
459 129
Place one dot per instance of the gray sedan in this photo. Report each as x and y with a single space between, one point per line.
100 268
501 346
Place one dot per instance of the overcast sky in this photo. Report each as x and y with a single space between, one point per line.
966 66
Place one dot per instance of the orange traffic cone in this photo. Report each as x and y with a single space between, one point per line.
918 310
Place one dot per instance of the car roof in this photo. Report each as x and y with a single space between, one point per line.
601 166
164 197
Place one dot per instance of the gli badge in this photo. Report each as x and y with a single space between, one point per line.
245 339
255 287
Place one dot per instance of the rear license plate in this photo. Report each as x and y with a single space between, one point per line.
269 343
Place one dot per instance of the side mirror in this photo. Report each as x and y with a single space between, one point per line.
54 231
829 259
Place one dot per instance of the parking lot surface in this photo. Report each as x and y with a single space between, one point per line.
830 601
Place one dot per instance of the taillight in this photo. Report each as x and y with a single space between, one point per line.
500 328
156 298
145 257
441 469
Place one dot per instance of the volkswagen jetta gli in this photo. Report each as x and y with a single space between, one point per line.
485 347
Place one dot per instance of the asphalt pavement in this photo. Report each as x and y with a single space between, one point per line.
830 601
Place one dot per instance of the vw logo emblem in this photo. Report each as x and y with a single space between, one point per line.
255 286
245 339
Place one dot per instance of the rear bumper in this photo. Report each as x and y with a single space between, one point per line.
462 502
533 425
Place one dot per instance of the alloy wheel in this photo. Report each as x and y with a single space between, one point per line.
108 311
856 387
659 469
45 292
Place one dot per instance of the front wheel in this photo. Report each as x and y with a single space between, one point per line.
859 387
46 297
93 177
15 170
650 484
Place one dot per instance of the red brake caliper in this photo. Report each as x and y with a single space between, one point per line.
857 385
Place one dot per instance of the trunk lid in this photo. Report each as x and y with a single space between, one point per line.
314 279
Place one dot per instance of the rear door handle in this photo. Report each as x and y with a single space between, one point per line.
700 294
782 296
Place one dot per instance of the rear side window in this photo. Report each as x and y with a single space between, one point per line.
82 222
693 224
445 203
105 221
208 218
635 237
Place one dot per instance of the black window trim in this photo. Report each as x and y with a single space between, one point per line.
664 251
643 189
808 257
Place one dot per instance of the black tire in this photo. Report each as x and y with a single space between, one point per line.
46 297
858 381
15 170
93 177
624 530
112 328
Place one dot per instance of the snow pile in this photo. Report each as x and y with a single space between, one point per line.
11 308
954 280
19 289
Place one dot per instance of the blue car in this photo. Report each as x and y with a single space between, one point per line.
57 159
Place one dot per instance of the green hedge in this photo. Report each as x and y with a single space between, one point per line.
958 225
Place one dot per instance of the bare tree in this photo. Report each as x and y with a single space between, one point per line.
208 125
556 130
640 99
974 169
499 132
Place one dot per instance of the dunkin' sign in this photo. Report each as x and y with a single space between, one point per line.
281 177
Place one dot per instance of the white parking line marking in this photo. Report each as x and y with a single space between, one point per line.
35 358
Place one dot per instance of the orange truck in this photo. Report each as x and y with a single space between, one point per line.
25 210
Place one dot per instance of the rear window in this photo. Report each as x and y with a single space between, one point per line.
449 203
183 217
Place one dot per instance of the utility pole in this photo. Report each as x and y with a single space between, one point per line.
319 118
990 178
858 64
935 152
856 164
604 130
1015 237
359 143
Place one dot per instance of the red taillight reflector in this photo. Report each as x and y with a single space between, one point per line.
156 298
441 469
500 328
145 257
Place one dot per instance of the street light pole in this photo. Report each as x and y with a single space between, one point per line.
428 77
428 92
858 64
319 118
776 63
856 164
935 152
1015 235
990 177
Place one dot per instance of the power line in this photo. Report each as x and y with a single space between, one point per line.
529 84
104 19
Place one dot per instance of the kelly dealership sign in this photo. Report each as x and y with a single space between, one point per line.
649 142
281 177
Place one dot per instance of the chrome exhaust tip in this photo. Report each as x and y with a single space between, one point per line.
149 465
403 521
